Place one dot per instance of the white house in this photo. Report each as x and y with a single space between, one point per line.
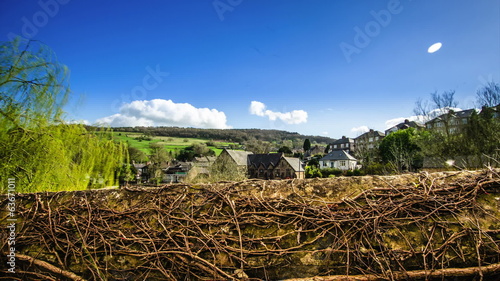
338 159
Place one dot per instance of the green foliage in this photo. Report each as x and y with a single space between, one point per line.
286 150
329 172
258 146
313 172
195 150
137 155
355 173
307 145
229 135
225 169
36 148
401 151
377 169
473 144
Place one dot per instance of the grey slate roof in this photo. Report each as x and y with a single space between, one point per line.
264 159
239 156
337 155
456 114
295 163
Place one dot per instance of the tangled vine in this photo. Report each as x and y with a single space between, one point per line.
225 231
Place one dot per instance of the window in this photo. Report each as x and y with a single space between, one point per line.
342 163
370 140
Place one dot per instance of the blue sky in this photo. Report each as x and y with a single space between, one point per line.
318 67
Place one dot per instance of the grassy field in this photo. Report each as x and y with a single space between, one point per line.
170 143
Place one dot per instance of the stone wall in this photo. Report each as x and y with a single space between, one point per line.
269 230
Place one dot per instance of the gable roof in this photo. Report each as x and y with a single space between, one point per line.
344 139
338 155
239 156
404 125
295 163
266 160
370 134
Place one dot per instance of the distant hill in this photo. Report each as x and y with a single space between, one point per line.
231 135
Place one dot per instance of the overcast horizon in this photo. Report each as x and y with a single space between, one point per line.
330 68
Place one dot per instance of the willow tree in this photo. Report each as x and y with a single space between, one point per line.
37 148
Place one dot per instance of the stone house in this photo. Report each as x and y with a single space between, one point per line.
264 166
274 166
344 143
451 122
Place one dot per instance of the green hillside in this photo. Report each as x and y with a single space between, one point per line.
171 144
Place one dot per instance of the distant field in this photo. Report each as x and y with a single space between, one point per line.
170 143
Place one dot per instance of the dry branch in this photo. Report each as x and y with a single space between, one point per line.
50 267
415 274
431 228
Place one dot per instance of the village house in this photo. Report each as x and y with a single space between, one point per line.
274 166
451 122
404 125
367 146
265 166
344 143
176 173
338 159
369 140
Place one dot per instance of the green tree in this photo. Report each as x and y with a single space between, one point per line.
307 145
401 151
159 156
313 172
37 148
225 169
286 150
137 155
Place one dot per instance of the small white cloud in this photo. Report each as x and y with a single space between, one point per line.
257 108
325 133
434 48
360 130
292 117
81 121
160 112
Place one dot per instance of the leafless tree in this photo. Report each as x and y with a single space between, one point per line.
489 95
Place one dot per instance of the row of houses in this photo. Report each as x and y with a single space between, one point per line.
344 151
343 154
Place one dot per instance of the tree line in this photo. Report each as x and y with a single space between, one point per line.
230 135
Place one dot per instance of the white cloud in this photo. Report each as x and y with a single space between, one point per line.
292 117
81 121
360 130
160 112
